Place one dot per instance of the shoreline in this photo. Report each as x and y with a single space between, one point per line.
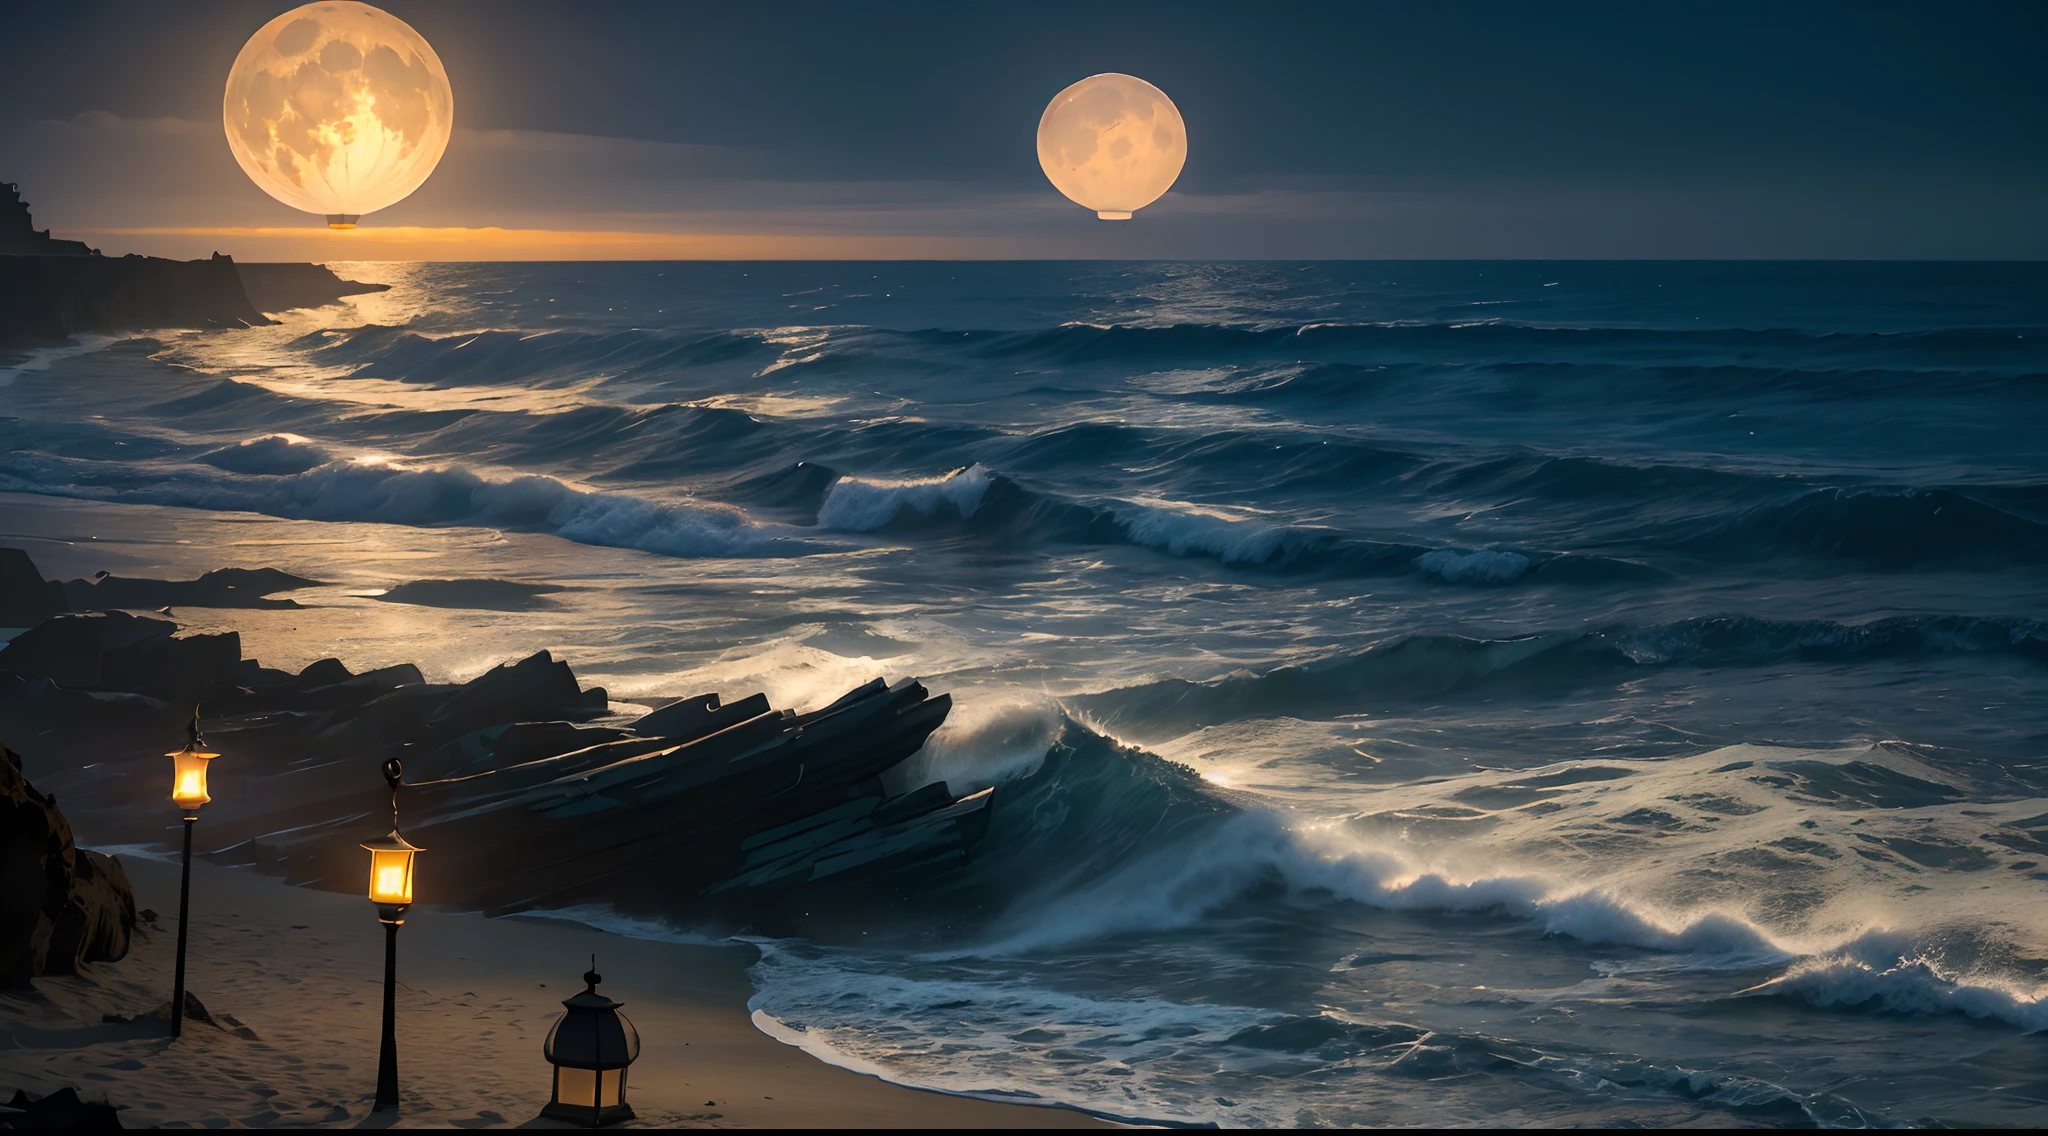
300 970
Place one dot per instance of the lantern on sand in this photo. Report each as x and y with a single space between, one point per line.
590 1048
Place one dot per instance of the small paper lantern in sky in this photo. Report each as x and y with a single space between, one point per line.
338 108
1113 143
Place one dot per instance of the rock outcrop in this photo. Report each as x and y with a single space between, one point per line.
44 299
26 599
529 788
51 289
60 905
280 287
222 587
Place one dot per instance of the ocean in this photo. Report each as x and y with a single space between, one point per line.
1446 693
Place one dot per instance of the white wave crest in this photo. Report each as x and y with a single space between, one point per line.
1182 529
1911 985
374 490
856 505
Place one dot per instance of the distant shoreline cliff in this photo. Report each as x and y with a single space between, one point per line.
52 289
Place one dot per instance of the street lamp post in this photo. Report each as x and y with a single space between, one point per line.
188 792
391 860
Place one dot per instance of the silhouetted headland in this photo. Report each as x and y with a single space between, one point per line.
51 289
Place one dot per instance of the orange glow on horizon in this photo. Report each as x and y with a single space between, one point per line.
414 242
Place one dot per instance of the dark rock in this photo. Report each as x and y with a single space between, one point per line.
476 595
183 667
36 859
20 237
323 672
26 599
61 1109
676 718
98 918
59 905
44 720
915 803
46 298
535 687
224 587
68 649
280 287
699 717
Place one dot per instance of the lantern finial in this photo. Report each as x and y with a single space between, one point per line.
591 977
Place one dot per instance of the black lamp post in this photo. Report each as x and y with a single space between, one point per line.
391 890
590 1048
188 792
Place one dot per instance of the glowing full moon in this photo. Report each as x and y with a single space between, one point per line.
338 108
1113 143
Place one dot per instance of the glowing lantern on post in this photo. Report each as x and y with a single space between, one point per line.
188 792
338 108
590 1048
1112 143
188 774
391 860
391 875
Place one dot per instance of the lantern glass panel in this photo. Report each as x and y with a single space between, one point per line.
578 1086
188 777
391 875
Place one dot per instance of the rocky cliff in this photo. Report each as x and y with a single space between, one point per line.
44 299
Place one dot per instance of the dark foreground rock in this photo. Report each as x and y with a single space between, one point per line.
60 905
62 1109
26 599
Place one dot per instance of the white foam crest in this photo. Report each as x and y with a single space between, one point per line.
1179 886
987 739
849 1012
1916 984
377 489
1181 529
41 358
1485 566
859 505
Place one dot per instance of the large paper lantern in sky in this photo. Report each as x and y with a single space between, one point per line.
1113 143
338 108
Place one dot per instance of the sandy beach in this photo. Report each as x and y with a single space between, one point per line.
300 972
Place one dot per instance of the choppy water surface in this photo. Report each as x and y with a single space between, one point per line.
1567 693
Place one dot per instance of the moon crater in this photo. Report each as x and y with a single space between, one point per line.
338 108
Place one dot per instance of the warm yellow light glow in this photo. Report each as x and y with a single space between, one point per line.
391 876
1112 143
413 243
188 776
338 108
577 1086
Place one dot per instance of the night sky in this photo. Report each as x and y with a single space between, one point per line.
1358 130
